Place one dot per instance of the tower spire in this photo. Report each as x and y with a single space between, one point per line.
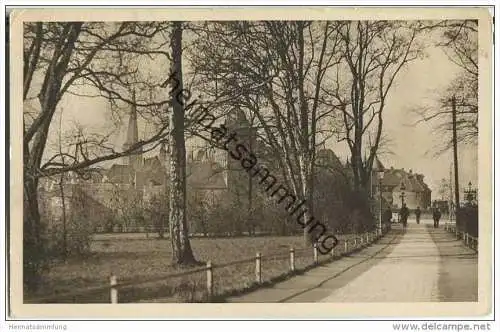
134 160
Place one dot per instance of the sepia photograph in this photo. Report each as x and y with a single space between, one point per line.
233 156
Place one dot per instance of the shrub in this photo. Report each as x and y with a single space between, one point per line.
338 206
467 219
77 238
156 213
67 234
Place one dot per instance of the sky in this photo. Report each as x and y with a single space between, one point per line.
417 85
413 146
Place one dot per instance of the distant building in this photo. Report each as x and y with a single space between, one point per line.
416 191
110 194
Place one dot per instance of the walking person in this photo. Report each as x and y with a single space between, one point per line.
387 218
417 214
404 212
436 215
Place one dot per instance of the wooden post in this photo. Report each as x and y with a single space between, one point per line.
332 252
315 252
355 242
210 280
367 238
113 292
258 269
467 239
345 246
292 259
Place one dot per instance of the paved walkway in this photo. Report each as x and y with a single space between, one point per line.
422 265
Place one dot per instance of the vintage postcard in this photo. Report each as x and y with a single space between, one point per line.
250 162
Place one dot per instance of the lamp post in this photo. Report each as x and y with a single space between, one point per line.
470 194
380 176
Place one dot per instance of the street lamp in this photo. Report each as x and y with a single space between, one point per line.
380 176
470 194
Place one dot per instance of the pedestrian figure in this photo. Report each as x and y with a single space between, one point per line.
404 212
387 217
436 215
417 214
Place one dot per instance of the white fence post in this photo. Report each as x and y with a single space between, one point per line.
258 268
113 291
210 280
315 253
292 259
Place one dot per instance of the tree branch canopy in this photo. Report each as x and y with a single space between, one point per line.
459 41
105 58
373 54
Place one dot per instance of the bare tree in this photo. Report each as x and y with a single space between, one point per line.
181 247
60 58
444 189
276 71
459 41
373 54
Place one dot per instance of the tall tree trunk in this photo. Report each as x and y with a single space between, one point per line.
250 187
64 222
181 247
33 253
309 237
34 141
455 152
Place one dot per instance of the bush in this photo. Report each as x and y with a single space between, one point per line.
467 219
336 205
78 235
224 217
69 233
339 207
156 213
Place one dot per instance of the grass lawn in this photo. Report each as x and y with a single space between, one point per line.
134 260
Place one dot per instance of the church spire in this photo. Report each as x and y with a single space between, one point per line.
134 160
